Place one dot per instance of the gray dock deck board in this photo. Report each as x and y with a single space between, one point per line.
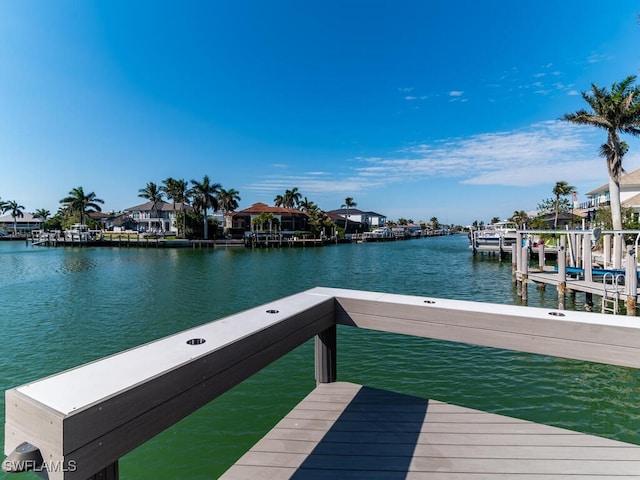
347 431
578 285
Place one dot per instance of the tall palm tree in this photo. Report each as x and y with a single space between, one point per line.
616 111
204 196
15 211
228 200
81 203
561 189
348 203
43 214
154 194
177 191
292 198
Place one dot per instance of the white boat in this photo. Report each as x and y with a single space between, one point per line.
378 234
80 232
495 236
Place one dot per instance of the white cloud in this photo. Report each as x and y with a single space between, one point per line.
531 157
526 157
456 93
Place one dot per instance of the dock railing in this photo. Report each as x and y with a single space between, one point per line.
78 423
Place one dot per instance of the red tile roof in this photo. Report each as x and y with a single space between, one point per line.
258 208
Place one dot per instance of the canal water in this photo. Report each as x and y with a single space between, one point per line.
61 307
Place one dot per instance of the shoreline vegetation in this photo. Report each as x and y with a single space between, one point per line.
137 239
204 210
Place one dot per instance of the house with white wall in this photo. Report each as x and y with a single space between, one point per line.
367 219
158 217
600 196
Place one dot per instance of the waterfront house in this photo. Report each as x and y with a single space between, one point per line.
114 221
23 225
566 220
285 220
352 226
367 220
600 196
158 217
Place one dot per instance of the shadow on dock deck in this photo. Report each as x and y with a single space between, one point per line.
347 431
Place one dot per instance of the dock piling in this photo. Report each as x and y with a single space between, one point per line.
562 272
631 281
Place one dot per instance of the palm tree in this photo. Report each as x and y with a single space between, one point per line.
176 190
561 189
348 203
307 205
616 111
292 198
520 217
228 200
43 214
81 203
258 222
279 200
154 194
15 212
204 196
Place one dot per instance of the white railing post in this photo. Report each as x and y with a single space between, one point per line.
586 257
631 281
607 250
562 271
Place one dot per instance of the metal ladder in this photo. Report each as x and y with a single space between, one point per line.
610 298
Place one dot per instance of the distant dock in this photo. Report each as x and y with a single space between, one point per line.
582 267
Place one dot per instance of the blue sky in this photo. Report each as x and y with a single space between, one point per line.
414 109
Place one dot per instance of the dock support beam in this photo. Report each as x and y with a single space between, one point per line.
326 356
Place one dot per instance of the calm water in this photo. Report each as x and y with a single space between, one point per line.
64 307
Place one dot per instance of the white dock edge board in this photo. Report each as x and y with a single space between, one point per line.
85 385
342 430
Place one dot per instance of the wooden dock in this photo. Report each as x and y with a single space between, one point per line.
575 271
347 431
84 419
